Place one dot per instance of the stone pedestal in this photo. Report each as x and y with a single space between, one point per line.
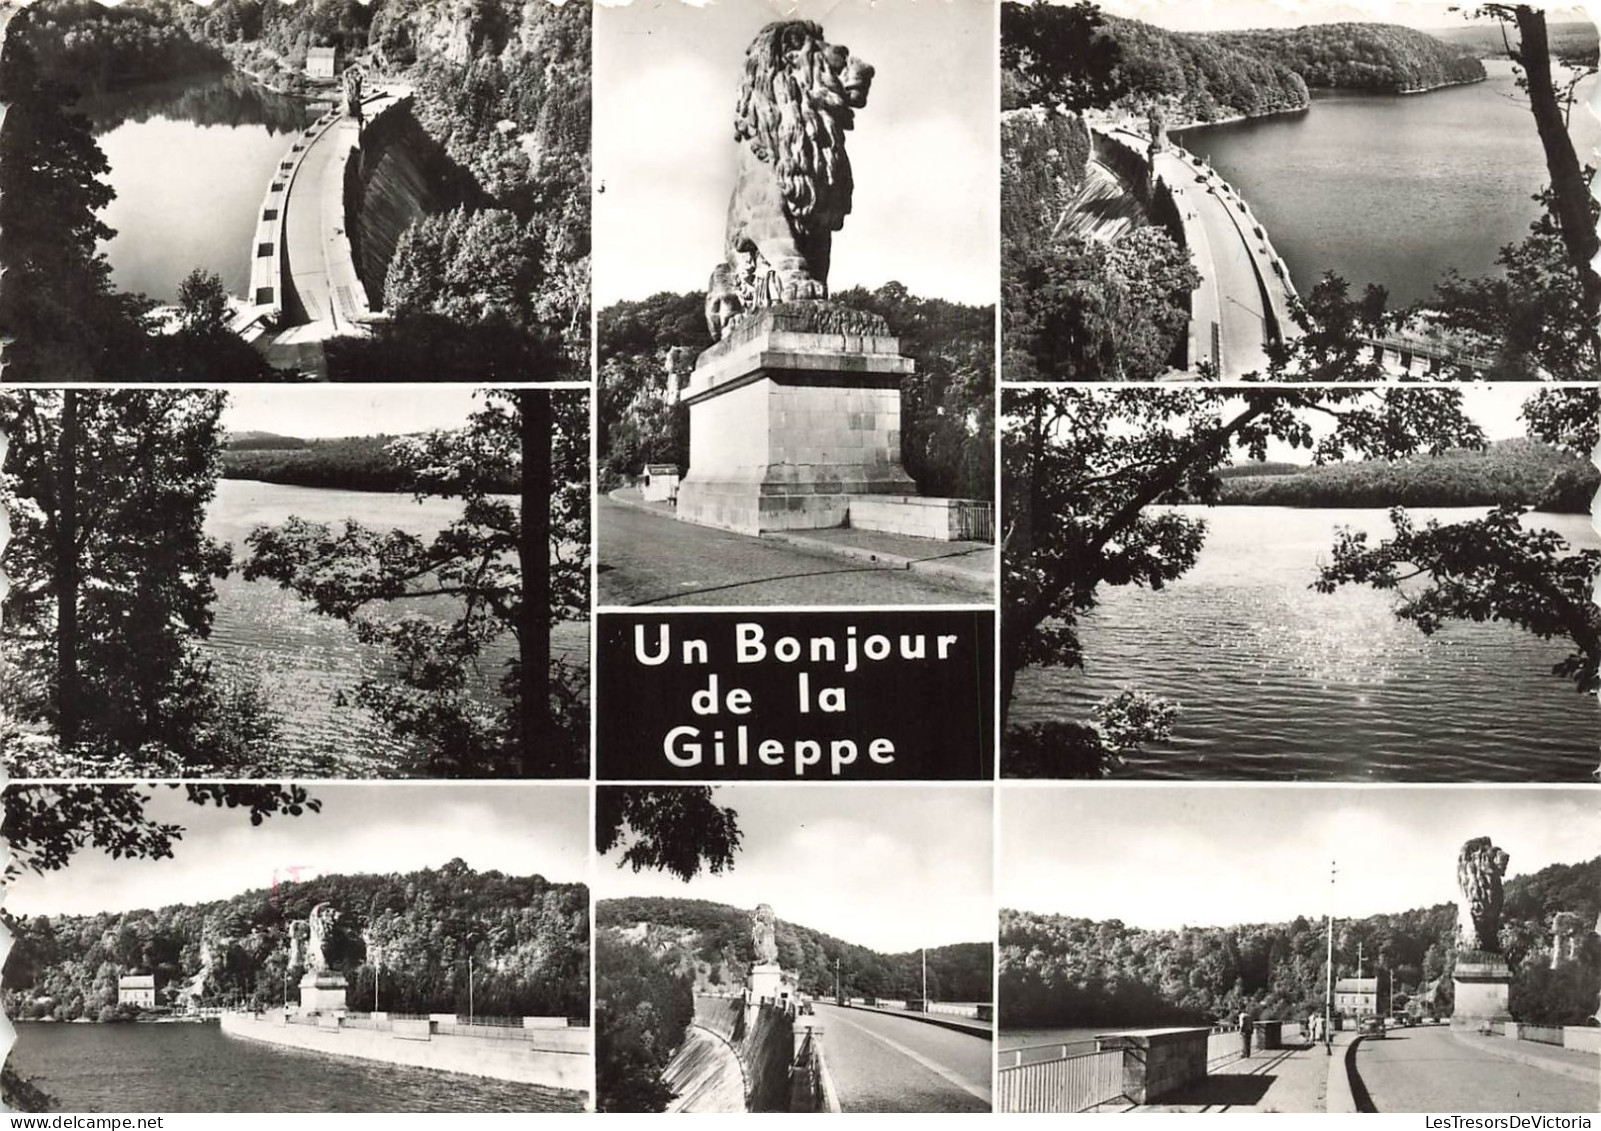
1481 982
322 992
791 415
766 982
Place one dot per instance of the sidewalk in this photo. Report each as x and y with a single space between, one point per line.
1291 1079
970 565
1585 1066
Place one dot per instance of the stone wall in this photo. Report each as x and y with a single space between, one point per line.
1157 1062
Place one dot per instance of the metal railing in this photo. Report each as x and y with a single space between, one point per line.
1071 1081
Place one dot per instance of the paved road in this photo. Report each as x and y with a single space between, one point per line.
1429 1070
884 1063
650 560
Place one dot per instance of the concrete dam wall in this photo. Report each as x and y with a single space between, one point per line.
762 1042
399 175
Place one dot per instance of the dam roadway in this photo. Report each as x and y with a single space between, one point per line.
880 1062
1429 1068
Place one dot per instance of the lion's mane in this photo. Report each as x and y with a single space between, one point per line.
1479 868
792 112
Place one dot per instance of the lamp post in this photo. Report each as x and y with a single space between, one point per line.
1328 973
925 979
837 999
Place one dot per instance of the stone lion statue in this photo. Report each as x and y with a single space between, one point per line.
299 932
321 925
764 933
1479 868
799 95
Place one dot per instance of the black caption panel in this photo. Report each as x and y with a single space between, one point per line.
810 696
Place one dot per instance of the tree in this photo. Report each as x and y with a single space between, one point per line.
112 585
360 576
675 829
1058 54
1086 465
1496 567
203 303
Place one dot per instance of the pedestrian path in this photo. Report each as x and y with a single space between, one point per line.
1291 1079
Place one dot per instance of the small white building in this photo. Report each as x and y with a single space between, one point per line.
137 989
1356 997
322 62
660 484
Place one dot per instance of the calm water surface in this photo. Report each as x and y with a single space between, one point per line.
1278 681
1394 189
119 1068
190 161
304 661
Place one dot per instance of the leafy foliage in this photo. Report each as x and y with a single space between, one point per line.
676 829
700 936
1061 971
643 1008
144 465
1359 56
355 463
97 47
529 940
357 573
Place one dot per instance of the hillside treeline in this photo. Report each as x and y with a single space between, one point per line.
715 939
1056 970
92 47
1384 58
1203 78
356 463
528 938
1520 472
947 405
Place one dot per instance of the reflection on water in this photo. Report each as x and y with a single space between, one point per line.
1278 681
1393 189
190 161
309 665
118 1068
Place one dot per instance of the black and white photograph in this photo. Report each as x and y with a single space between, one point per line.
795 272
323 581
1264 189
234 191
802 949
298 948
1298 583
1298 949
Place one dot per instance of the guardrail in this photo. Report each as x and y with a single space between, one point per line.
1070 1081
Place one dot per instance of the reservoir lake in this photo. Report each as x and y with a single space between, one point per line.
193 1068
1277 681
190 162
1394 189
305 661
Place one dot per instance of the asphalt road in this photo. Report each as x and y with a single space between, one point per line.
880 1062
649 560
1428 1070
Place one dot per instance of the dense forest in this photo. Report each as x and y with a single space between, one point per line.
98 48
1490 41
947 405
356 463
528 937
712 942
1522 472
1362 56
1060 971
1203 78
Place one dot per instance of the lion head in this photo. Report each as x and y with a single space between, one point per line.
799 95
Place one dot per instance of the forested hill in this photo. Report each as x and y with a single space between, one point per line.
1200 78
529 940
1056 970
1520 471
712 941
94 47
356 463
1359 56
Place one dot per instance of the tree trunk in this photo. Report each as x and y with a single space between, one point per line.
538 753
67 576
1567 177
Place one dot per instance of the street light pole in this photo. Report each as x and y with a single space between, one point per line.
925 979
1328 973
836 980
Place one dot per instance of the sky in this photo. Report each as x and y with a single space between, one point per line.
1161 857
374 828
324 411
892 868
1221 15
923 153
